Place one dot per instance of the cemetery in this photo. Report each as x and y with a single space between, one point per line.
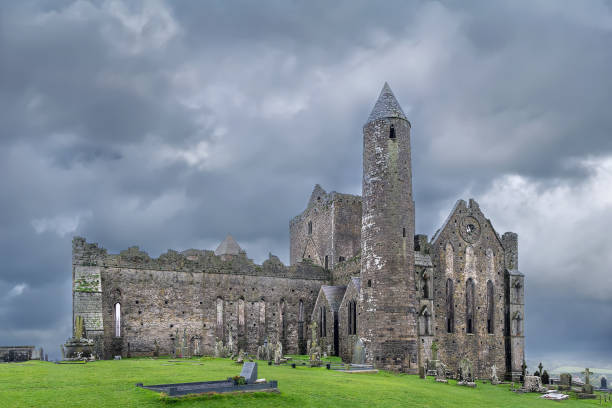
292 381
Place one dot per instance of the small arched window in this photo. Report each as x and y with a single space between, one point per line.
117 319
392 132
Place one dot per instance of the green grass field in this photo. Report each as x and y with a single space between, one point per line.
112 384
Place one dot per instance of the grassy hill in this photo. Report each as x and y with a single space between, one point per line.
112 384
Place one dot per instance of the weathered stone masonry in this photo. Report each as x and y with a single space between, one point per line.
356 268
179 291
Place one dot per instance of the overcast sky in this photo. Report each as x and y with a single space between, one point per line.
171 124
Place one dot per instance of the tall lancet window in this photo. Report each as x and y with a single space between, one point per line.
117 319
490 308
469 306
392 132
450 306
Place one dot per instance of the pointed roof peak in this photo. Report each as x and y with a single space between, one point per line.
229 246
386 106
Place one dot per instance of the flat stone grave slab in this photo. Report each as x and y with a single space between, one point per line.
204 387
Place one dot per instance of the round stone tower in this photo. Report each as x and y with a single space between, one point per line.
387 321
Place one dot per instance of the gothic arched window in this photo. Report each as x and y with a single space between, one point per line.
490 308
469 306
352 317
322 322
450 306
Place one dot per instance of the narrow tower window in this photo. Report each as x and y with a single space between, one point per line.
117 320
326 261
392 132
309 227
404 232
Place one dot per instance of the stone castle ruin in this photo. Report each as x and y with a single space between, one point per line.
357 269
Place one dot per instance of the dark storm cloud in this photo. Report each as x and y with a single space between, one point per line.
168 125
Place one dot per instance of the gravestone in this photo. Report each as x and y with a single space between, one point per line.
466 373
604 383
533 383
441 373
494 379
278 353
587 388
358 352
565 381
249 372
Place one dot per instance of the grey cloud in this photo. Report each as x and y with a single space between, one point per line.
213 118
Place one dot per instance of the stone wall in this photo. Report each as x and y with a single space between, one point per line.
478 255
178 293
345 270
328 231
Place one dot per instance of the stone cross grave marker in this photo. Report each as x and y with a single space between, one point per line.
587 374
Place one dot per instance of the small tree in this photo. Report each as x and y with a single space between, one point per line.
545 377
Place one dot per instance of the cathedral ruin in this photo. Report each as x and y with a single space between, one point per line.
357 268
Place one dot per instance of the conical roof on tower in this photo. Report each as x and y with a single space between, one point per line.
229 246
386 106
